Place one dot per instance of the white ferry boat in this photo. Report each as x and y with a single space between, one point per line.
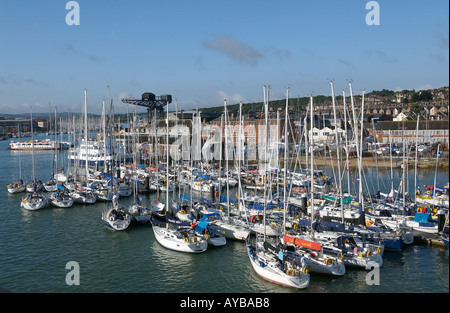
45 144
96 153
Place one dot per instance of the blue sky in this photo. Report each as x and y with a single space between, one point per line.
204 51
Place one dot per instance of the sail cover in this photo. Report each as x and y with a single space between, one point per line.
303 243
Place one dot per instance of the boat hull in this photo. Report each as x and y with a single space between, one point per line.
274 275
168 240
115 223
13 190
34 203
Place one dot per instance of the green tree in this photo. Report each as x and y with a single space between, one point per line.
415 107
426 95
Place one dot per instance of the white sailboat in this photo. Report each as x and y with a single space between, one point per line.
138 212
206 230
169 234
263 256
61 198
17 185
84 194
34 200
51 185
232 227
115 217
305 247
176 237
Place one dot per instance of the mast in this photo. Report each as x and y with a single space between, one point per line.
240 153
86 134
56 154
337 149
32 149
312 164
403 176
49 119
435 174
285 159
360 197
376 157
415 164
104 135
167 157
390 157
346 143
266 113
226 156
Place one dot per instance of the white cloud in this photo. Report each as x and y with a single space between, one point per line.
234 49
424 87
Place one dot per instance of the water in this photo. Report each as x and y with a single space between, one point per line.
36 246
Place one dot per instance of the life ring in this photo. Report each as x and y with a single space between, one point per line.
272 225
360 254
328 261
342 257
369 253
186 239
378 250
221 208
290 272
207 237
369 223
295 226
216 194
183 212
306 270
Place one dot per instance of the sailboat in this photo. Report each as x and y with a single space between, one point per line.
171 234
138 212
84 194
33 200
306 247
232 227
115 217
51 185
17 185
267 261
176 235
61 198
205 229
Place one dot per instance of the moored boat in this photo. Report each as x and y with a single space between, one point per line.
114 217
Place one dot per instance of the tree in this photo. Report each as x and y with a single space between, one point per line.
415 107
426 95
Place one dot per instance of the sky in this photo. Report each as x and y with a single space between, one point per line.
203 52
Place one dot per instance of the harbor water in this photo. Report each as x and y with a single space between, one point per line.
37 246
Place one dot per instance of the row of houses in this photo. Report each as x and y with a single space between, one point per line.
253 129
